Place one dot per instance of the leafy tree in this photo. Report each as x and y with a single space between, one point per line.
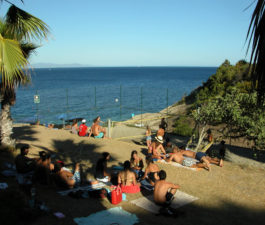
16 33
240 113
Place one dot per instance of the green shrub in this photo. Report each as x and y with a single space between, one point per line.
183 126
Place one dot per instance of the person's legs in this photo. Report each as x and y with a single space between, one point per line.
215 161
207 163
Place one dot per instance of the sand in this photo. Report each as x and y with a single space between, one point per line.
233 194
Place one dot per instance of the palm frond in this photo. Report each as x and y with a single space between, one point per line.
28 49
256 36
24 25
12 61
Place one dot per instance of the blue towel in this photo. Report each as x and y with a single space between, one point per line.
114 215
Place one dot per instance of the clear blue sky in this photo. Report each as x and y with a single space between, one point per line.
141 32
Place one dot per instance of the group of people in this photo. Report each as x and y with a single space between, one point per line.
156 149
42 170
96 130
132 174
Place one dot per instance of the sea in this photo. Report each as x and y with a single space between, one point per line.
57 95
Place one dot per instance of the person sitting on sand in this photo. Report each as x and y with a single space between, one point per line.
127 179
24 164
44 168
164 191
97 130
203 158
155 148
101 173
83 129
151 171
177 156
222 150
65 178
74 127
137 164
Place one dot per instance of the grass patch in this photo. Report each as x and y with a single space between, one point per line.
183 126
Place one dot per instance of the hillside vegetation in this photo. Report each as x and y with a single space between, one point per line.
226 98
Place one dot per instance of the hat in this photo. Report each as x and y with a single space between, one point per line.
83 121
159 139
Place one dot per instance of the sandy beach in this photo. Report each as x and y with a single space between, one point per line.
233 193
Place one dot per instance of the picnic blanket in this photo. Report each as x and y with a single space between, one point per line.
82 188
147 202
114 215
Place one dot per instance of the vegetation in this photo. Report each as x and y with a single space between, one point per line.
228 98
17 31
183 126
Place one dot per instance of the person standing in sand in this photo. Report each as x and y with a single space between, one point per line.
164 191
97 130
148 136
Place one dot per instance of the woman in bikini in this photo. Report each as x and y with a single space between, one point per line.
127 179
137 164
151 171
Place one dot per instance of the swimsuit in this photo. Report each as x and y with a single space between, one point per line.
188 162
100 135
200 155
148 138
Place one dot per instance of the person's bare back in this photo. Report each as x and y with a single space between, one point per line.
188 153
176 157
164 191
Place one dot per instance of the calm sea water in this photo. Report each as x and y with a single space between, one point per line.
114 93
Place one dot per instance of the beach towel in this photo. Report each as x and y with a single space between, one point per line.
110 216
146 185
181 166
82 188
147 202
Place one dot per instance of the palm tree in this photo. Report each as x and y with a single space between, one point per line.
16 33
256 35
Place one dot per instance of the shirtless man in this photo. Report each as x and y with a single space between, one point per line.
203 158
160 132
164 191
155 148
177 156
97 130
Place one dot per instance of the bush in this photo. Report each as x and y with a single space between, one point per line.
183 126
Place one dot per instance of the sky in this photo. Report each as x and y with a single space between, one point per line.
141 32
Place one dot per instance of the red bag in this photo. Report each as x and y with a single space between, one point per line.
116 195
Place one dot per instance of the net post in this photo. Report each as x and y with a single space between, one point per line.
109 128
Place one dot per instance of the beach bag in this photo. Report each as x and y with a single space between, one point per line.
116 195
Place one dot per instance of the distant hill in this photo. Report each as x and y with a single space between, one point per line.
54 65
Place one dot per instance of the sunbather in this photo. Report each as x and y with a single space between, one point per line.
65 178
164 191
156 148
137 164
97 130
151 171
203 158
127 179
101 168
177 156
